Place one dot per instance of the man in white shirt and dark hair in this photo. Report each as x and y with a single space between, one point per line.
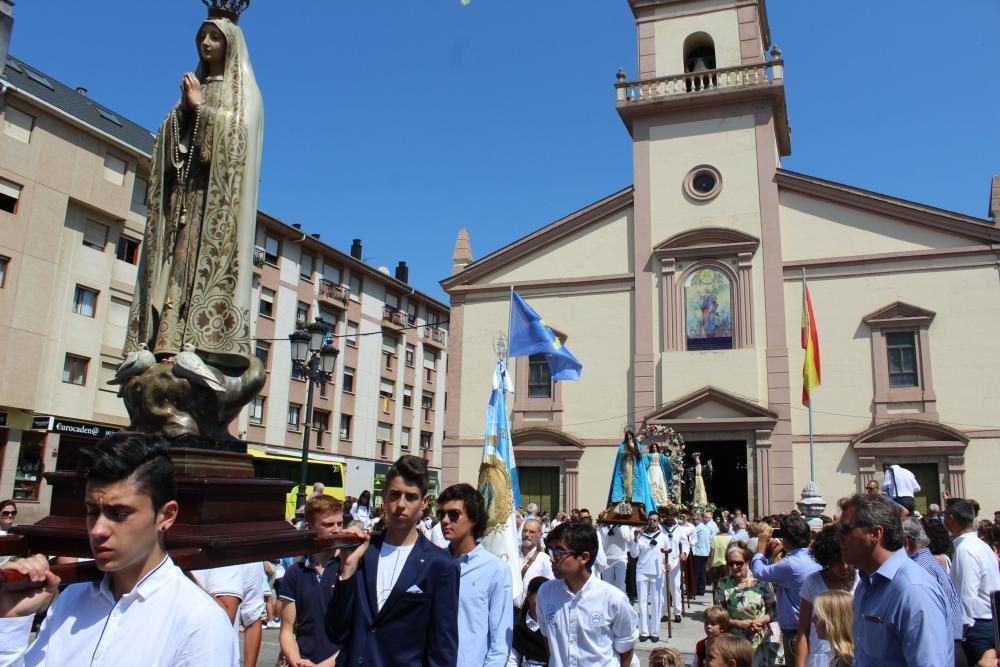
616 539
534 561
900 485
648 549
677 548
586 621
145 611
975 575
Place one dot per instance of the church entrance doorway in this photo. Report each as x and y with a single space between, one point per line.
540 485
729 485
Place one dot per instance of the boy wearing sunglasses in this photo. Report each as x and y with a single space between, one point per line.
585 620
485 596
396 600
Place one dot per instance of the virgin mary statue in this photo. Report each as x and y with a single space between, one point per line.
628 481
194 282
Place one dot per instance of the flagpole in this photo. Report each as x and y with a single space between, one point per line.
812 460
510 318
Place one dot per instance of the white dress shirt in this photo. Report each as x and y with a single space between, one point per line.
676 540
687 536
616 541
647 549
589 628
600 558
221 581
905 486
165 621
252 603
541 566
974 573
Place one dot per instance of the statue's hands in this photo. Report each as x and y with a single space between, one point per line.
191 91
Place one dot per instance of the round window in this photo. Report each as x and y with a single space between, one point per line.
703 182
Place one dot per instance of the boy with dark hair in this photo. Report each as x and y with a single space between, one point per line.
485 595
585 620
396 600
307 589
144 611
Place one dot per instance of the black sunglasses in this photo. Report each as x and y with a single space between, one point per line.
9 513
453 515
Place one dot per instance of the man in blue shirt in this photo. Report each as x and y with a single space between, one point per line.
700 551
788 574
900 612
485 593
916 542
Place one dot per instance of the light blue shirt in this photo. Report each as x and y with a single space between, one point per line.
702 540
787 577
713 529
485 610
901 618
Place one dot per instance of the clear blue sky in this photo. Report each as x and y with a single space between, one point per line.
400 121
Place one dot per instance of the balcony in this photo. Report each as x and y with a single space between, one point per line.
259 257
435 336
726 85
394 316
333 293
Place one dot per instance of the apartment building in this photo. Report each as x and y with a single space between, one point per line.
387 394
72 214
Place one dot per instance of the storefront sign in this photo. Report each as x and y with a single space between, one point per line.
41 423
66 427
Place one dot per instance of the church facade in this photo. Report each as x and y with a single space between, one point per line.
682 296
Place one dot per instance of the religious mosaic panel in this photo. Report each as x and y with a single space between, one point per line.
708 307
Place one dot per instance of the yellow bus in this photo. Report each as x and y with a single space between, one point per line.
278 466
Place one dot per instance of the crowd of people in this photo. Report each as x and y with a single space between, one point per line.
876 585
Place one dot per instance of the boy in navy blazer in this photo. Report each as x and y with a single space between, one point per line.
396 601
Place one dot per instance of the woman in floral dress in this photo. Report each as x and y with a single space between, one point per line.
750 604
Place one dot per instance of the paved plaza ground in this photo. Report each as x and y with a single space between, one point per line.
685 635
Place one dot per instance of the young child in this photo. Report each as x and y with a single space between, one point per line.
665 657
728 650
833 614
716 620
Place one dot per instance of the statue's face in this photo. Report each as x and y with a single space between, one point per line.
211 44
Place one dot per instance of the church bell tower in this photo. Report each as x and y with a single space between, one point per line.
706 112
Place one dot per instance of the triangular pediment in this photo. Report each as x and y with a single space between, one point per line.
899 313
713 406
707 242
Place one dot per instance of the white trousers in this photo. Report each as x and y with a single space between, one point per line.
614 574
674 581
650 591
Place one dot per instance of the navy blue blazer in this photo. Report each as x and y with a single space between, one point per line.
418 624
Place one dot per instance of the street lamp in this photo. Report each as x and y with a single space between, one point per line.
314 360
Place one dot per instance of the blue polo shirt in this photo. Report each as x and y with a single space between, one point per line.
311 594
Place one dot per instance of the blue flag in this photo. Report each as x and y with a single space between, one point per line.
498 481
530 335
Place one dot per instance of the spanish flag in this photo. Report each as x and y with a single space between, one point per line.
810 343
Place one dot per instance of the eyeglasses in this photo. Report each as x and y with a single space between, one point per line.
558 553
11 514
740 563
453 515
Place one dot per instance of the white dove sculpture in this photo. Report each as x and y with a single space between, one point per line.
136 363
191 367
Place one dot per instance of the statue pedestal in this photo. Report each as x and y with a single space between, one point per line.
224 519
812 505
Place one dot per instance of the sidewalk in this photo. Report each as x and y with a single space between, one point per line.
686 634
